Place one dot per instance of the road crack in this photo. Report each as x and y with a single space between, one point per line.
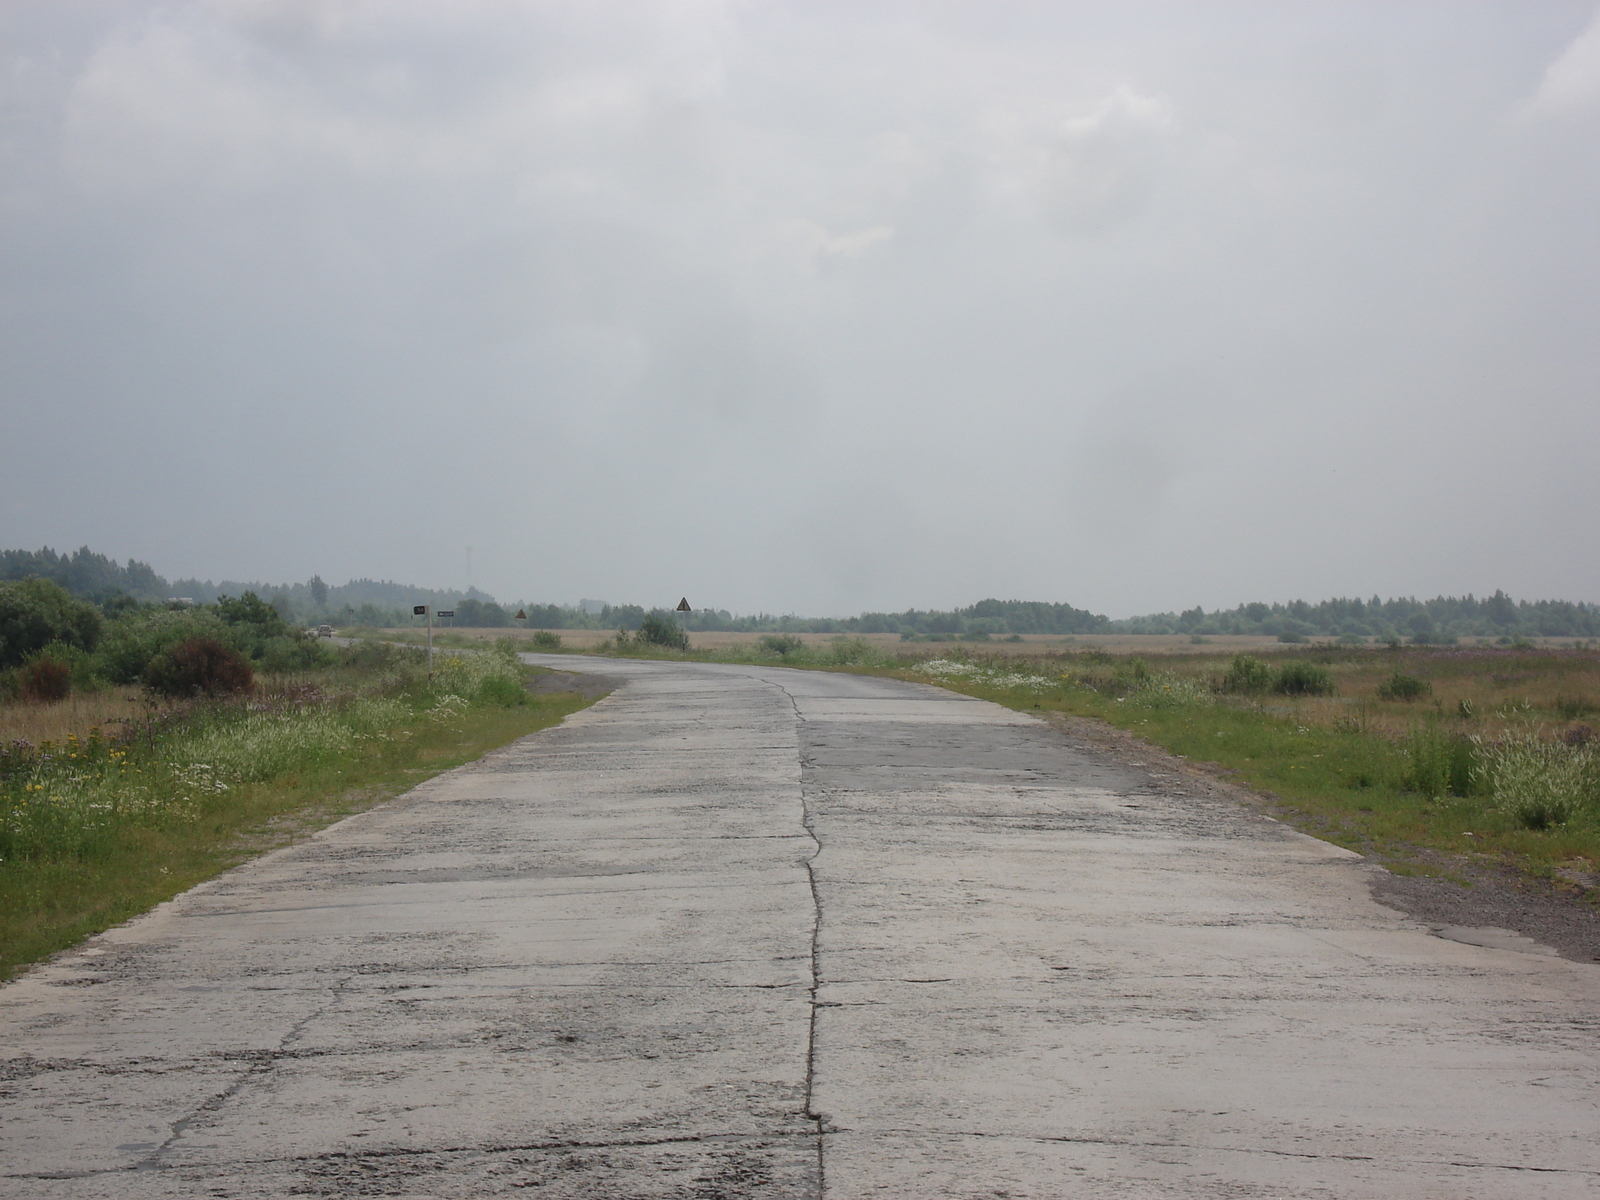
808 823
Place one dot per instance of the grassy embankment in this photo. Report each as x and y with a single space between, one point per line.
112 802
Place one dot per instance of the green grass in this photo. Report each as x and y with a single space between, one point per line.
108 828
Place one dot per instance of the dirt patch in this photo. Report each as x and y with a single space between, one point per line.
590 687
1553 913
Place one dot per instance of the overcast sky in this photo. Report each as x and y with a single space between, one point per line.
808 306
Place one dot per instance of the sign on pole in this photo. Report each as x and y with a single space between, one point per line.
421 610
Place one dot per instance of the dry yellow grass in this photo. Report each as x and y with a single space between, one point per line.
77 714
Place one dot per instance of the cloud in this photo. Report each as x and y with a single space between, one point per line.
801 305
1571 84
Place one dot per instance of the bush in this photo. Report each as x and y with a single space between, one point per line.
845 651
1300 678
1247 675
45 679
199 666
781 644
544 639
1540 784
36 612
258 630
1404 687
657 629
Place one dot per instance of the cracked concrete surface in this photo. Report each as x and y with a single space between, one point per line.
739 932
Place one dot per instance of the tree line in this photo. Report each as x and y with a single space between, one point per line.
94 577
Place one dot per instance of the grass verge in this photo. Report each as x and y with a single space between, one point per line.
99 826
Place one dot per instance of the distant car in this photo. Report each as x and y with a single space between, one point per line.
324 630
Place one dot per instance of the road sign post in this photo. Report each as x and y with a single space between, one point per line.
422 610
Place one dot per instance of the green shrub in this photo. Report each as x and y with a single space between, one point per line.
546 639
1570 708
658 629
137 636
845 651
1247 676
37 612
199 666
781 644
1298 678
1541 784
1404 687
257 629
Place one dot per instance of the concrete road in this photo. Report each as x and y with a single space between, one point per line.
754 933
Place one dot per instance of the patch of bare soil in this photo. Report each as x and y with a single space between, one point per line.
1553 913
587 686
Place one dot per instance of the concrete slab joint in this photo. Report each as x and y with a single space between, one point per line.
741 932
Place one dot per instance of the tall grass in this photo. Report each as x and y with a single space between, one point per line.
1541 783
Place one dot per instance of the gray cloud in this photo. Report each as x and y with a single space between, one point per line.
808 306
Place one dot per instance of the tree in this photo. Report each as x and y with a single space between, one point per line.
36 612
319 591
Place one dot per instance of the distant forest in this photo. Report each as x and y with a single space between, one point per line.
381 603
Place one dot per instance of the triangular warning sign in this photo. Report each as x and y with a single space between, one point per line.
683 605
522 615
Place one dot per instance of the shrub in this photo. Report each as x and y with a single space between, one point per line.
545 639
36 612
1404 687
257 629
1298 678
845 651
1540 784
657 629
199 666
1247 675
138 636
1570 708
781 644
45 679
